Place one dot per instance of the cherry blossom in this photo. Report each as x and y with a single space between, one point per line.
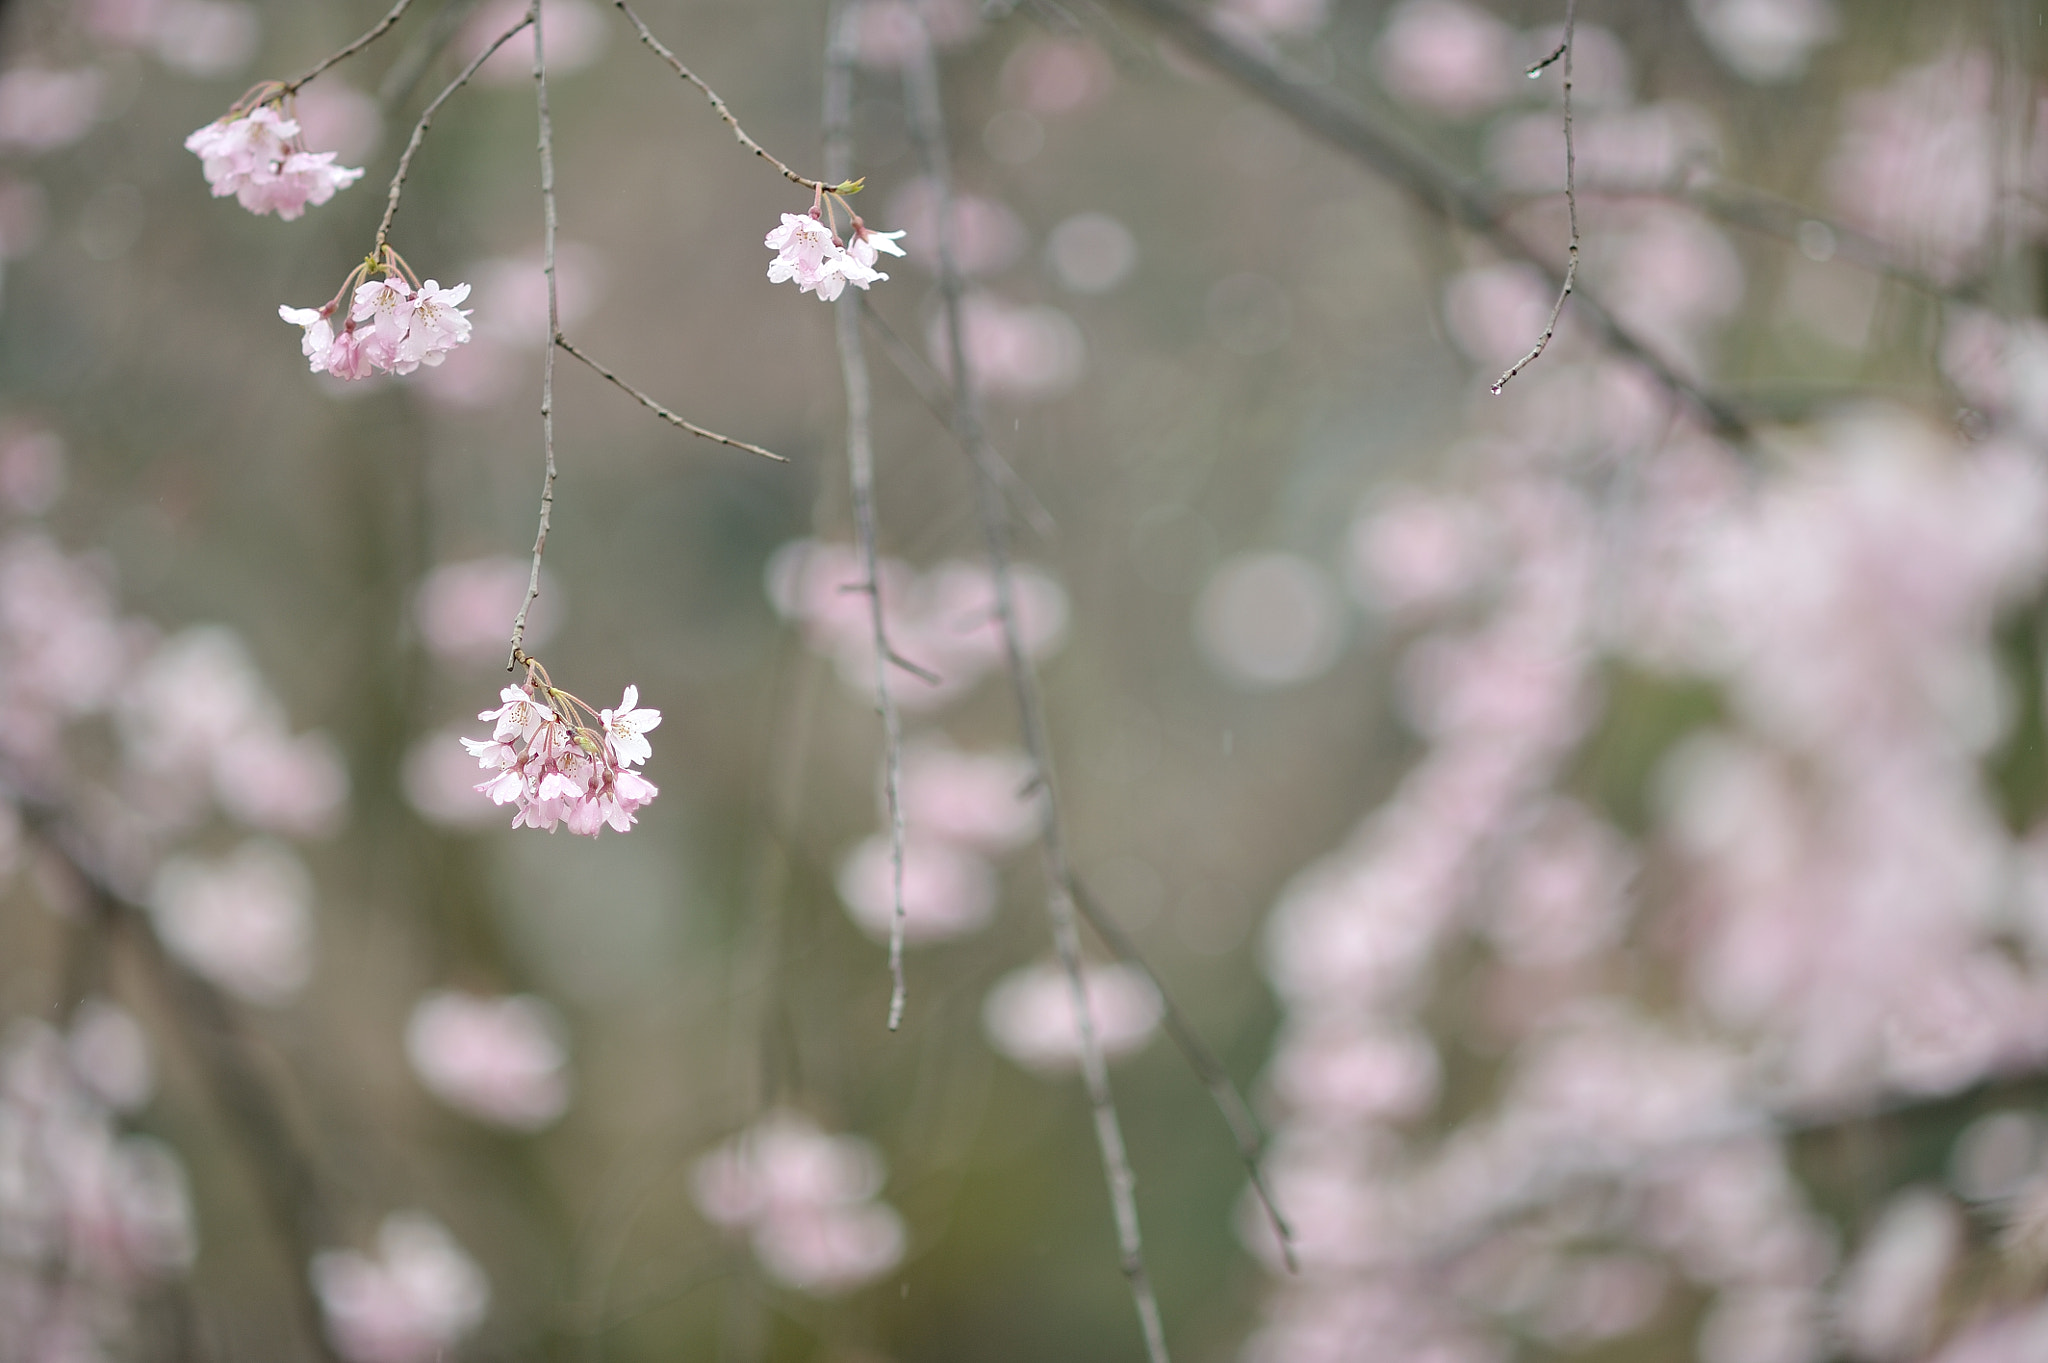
387 326
1029 1016
811 253
560 770
261 159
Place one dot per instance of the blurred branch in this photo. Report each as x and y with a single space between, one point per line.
1237 1114
1352 130
221 1046
928 132
413 60
931 390
664 413
860 466
1571 200
377 30
718 105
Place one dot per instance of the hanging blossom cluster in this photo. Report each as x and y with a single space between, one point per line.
809 250
560 770
257 155
390 325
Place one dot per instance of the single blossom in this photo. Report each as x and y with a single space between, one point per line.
260 158
558 770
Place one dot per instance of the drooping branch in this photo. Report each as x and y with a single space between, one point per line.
927 123
547 366
376 31
1571 201
860 468
419 131
664 413
725 114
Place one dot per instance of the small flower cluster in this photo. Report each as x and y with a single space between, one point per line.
258 156
388 326
810 252
558 769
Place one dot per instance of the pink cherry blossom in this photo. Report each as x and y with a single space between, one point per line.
810 252
559 770
1030 1015
260 158
387 327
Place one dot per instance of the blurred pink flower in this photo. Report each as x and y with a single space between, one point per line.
1766 41
499 1060
577 34
1049 76
1916 162
464 609
244 921
982 799
1026 352
1417 552
808 1200
42 110
1259 18
334 114
948 891
32 473
416 1299
1447 56
261 159
987 237
1029 1016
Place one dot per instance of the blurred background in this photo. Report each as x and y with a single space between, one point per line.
1597 826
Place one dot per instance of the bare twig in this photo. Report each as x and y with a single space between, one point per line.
860 467
1341 123
927 122
1571 201
377 30
547 364
419 130
1237 1114
718 106
664 413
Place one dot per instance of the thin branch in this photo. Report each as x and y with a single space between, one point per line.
927 123
664 413
718 106
860 467
1571 201
1350 129
419 130
1237 1114
547 364
932 391
377 30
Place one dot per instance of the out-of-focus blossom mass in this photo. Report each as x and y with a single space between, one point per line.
499 1060
411 1302
245 922
807 1201
1030 1015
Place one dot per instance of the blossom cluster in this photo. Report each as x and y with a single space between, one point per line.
558 770
260 158
389 328
811 253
